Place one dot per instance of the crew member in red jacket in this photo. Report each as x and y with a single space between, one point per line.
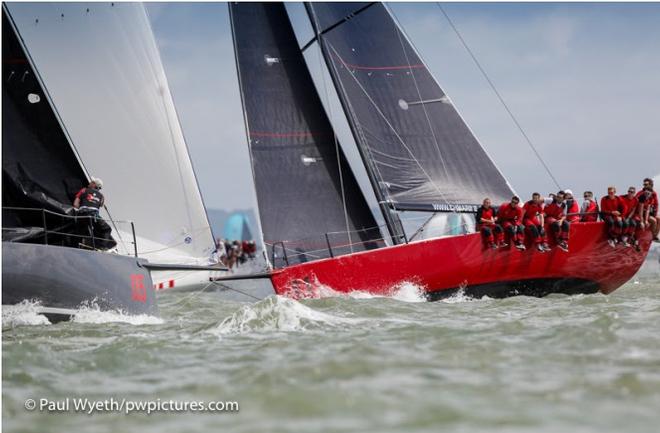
571 207
533 221
652 207
492 232
630 216
556 222
509 216
610 211
589 208
646 212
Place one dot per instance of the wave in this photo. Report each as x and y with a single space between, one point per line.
27 313
405 291
277 313
23 314
91 313
460 297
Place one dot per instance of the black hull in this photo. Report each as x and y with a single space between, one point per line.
537 287
65 279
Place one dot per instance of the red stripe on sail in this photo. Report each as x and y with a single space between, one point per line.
283 134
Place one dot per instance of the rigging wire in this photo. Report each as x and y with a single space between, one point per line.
499 96
390 126
337 151
419 95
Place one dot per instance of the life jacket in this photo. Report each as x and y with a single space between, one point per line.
554 210
90 199
591 211
609 205
573 208
508 213
532 211
486 214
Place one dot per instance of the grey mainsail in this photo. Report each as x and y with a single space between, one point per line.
307 195
417 148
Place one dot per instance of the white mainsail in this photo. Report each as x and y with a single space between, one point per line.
101 67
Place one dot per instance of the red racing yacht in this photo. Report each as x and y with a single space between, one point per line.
418 154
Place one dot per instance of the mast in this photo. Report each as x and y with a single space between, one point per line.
310 204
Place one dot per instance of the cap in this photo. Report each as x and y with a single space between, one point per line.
568 191
97 181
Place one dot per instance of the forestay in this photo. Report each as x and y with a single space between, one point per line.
305 187
416 146
100 64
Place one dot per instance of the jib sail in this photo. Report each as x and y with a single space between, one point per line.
39 167
415 144
101 67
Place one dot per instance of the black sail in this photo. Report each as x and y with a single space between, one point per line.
416 146
296 160
39 168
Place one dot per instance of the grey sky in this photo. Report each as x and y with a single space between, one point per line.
583 80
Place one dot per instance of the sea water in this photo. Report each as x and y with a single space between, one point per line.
345 363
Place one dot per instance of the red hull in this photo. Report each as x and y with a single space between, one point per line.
442 265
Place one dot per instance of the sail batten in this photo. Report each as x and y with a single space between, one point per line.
310 204
415 144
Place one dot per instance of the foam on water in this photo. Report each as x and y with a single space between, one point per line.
92 314
460 296
23 314
404 292
277 313
409 292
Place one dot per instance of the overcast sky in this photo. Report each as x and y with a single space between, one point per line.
583 80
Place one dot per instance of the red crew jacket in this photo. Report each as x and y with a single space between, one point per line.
554 210
591 212
482 212
653 202
510 214
572 211
629 206
609 205
532 211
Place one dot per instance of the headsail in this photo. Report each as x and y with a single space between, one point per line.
39 167
305 187
100 64
415 144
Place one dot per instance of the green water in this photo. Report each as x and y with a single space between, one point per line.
557 364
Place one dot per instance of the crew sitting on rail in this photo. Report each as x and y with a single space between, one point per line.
549 199
646 211
589 208
611 209
533 222
509 216
556 221
492 232
630 216
571 207
653 208
87 203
